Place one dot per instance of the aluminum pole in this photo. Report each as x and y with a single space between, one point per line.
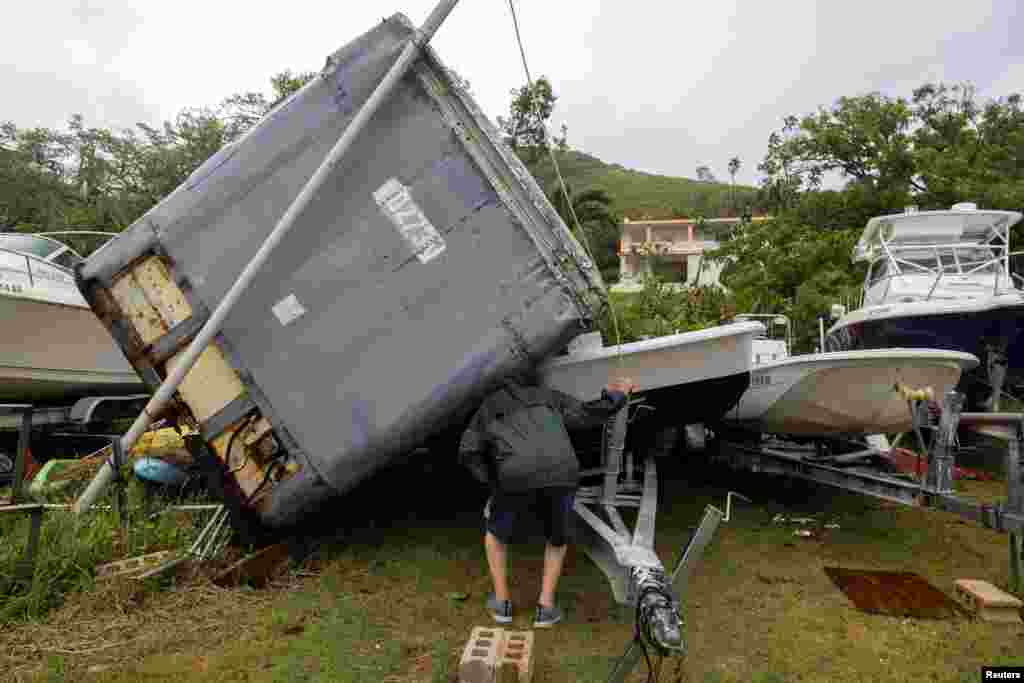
213 325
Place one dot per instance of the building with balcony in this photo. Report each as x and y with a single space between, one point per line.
678 244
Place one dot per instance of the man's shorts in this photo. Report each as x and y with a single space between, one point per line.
508 513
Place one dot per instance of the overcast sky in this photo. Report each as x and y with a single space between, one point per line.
657 86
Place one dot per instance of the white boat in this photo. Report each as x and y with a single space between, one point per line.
941 280
53 349
688 378
840 393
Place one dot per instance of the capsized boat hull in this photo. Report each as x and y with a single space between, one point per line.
53 353
688 378
846 392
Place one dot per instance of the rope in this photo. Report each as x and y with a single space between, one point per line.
561 184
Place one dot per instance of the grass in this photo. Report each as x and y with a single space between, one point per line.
383 603
70 548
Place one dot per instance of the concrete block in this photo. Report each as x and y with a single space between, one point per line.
988 602
131 565
494 655
480 658
515 664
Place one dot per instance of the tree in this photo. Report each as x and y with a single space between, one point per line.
705 175
525 128
102 179
785 266
934 149
242 111
601 226
734 167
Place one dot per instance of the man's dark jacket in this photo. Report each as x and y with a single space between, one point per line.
523 428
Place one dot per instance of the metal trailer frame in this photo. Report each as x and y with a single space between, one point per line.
627 557
933 490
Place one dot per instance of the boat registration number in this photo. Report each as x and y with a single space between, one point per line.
11 287
760 380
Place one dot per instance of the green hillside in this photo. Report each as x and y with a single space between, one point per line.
646 195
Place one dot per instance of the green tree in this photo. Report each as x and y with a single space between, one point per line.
785 266
705 175
525 128
601 226
102 179
734 168
940 146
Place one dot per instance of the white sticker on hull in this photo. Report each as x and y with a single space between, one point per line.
396 202
288 309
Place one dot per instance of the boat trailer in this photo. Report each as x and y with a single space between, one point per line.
637 576
82 417
858 471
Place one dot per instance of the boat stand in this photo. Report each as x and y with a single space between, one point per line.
627 558
996 363
859 472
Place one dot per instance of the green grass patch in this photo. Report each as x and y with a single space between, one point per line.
70 548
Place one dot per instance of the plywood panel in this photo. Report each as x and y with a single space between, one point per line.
210 385
136 308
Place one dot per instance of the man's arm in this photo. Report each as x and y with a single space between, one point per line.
473 450
580 415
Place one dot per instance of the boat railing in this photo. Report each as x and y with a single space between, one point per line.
998 265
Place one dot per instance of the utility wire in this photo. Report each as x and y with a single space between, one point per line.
561 182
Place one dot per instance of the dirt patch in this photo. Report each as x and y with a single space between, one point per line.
895 594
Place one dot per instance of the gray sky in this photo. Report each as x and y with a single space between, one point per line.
657 86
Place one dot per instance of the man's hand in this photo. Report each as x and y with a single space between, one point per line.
623 385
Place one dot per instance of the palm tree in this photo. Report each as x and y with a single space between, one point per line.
734 167
597 220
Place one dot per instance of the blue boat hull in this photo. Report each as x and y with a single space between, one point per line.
975 333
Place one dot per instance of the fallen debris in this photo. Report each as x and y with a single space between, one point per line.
987 602
256 569
908 462
132 566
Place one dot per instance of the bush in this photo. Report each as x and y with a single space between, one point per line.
661 309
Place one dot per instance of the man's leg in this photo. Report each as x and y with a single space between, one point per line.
497 559
501 528
554 558
557 503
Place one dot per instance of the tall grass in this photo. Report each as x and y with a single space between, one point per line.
70 548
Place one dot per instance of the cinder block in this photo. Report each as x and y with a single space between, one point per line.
131 565
480 658
989 602
515 664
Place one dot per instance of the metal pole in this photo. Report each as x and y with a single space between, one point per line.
21 459
213 325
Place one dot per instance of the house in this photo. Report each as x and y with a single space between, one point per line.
679 244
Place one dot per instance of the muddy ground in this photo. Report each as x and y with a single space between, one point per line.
395 596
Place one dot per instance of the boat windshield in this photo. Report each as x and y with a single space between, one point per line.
43 247
960 261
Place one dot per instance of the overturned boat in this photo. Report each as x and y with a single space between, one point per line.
840 393
425 265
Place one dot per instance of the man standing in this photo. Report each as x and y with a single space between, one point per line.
517 442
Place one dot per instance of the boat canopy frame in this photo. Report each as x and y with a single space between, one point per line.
881 244
60 248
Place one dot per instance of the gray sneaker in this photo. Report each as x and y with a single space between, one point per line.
501 610
547 616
